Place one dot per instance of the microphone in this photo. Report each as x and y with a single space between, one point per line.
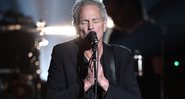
92 38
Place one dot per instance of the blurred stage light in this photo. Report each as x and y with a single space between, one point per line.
176 63
60 30
44 42
110 23
139 64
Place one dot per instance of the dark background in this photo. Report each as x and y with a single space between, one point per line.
153 28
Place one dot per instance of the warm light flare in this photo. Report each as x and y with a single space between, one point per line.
110 23
60 30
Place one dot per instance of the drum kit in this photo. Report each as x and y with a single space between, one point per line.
19 57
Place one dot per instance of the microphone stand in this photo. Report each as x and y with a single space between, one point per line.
94 59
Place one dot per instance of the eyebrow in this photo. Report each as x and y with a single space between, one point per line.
91 19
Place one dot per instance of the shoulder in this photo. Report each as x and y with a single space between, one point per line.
120 52
65 46
120 48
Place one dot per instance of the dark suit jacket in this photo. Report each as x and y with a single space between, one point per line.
65 74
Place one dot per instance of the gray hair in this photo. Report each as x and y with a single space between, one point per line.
79 3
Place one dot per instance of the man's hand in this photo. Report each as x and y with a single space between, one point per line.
102 81
89 80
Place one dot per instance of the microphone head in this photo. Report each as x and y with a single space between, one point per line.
92 38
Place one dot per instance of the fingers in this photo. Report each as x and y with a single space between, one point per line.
100 73
102 81
90 75
89 80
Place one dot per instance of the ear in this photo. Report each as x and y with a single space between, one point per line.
76 28
105 26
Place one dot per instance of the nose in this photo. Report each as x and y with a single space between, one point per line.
90 26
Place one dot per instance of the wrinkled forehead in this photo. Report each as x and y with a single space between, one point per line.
90 9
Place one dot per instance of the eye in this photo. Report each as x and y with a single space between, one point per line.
84 22
96 20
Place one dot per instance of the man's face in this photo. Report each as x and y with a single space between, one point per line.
90 20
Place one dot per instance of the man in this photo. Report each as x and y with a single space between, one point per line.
71 72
